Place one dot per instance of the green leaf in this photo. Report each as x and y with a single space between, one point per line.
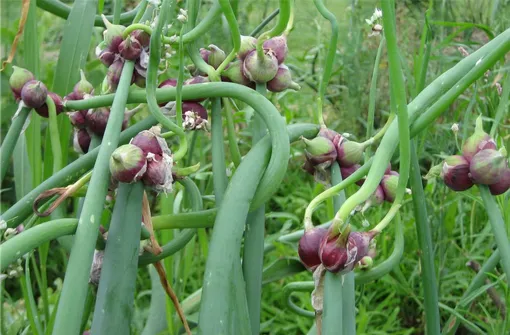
282 268
73 54
22 171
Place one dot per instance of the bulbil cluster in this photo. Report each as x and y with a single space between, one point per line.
115 50
480 163
335 252
250 67
33 92
146 158
87 122
329 146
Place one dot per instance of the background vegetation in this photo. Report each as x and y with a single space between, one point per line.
391 305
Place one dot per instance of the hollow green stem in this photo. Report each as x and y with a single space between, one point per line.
10 140
498 227
54 135
193 50
216 314
253 252
32 238
290 24
395 207
219 167
278 29
503 106
372 96
360 173
424 234
200 29
234 31
136 26
330 58
142 7
338 301
399 93
231 133
265 22
199 219
180 82
152 78
62 10
74 290
120 264
19 245
117 9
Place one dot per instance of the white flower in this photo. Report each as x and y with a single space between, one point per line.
173 38
455 127
375 16
183 15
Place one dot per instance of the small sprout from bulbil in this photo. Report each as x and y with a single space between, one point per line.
82 87
112 35
350 153
18 79
478 141
128 163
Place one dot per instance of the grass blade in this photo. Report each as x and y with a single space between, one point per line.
73 54
31 57
426 248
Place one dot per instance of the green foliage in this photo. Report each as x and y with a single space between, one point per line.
356 101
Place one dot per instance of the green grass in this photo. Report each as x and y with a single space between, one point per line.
458 222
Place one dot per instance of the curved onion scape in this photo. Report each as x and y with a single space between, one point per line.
156 186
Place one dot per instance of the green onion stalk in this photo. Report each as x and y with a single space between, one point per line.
339 315
116 292
216 312
74 290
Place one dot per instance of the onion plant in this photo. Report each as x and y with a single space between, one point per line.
139 188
